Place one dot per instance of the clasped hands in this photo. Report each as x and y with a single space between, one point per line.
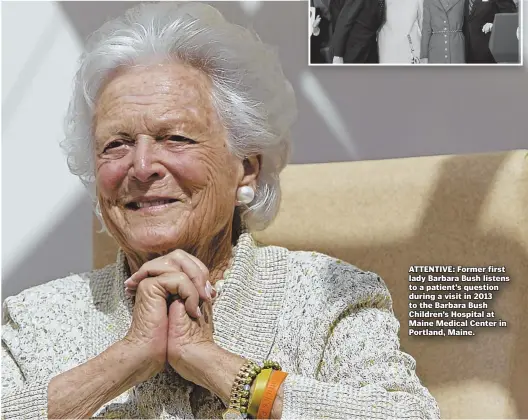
164 331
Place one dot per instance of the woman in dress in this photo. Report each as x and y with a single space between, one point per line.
404 20
442 36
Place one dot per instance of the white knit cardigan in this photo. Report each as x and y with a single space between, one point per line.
328 324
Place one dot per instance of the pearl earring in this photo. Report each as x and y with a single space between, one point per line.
245 195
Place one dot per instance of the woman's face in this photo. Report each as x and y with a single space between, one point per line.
165 178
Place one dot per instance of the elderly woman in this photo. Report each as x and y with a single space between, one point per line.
179 125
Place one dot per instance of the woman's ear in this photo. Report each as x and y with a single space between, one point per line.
251 171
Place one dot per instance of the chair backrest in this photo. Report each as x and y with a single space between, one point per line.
386 216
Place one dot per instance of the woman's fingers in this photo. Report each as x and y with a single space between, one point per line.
200 265
150 269
200 278
205 271
177 284
177 261
180 284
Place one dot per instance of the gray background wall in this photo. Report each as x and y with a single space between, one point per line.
345 113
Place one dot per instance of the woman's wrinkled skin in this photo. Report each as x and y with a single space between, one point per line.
159 138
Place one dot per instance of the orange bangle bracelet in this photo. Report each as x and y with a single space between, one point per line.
266 404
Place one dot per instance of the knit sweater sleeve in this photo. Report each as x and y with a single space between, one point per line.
42 337
363 374
21 399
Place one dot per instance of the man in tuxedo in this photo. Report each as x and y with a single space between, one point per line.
478 24
356 24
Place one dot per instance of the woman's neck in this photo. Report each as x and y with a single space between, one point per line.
217 254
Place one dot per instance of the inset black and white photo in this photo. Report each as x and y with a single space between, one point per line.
401 32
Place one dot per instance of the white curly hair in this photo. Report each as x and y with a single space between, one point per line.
250 93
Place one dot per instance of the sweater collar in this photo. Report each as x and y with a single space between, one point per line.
245 315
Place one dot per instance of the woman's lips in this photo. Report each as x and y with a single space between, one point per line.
150 205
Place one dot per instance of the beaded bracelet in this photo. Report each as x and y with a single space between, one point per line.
240 391
270 364
239 398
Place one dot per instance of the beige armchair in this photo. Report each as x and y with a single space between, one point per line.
385 216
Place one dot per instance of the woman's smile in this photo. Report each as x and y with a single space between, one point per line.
151 204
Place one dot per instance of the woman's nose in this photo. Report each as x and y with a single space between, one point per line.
146 165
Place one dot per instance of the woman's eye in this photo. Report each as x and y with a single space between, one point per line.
113 144
180 139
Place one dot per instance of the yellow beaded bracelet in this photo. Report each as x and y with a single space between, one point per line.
240 391
238 401
260 386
